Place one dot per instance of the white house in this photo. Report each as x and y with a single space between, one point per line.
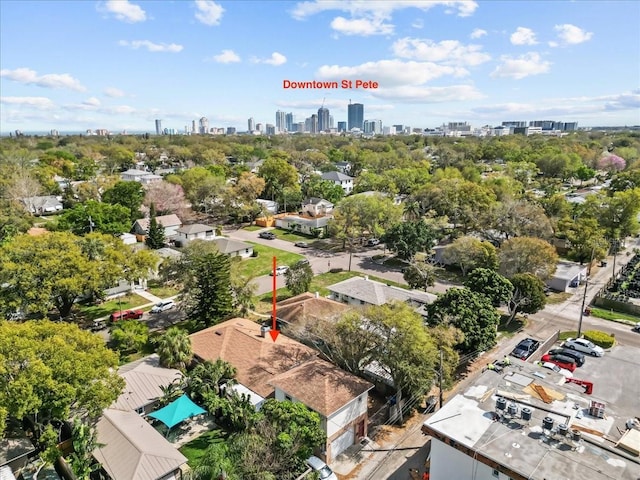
365 292
43 204
567 275
339 397
317 207
170 223
268 205
304 224
233 248
345 181
197 231
134 175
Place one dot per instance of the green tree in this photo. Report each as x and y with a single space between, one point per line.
316 186
469 253
207 378
528 255
470 312
419 274
95 216
528 295
516 218
130 335
243 288
55 370
216 463
155 237
587 240
174 348
491 284
299 277
278 174
584 173
84 440
409 238
127 194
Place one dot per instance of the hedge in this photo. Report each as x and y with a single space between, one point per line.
602 339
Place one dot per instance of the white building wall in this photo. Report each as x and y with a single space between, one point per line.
447 463
346 414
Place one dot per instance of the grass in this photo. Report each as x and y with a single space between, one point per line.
92 312
516 325
291 236
262 264
195 449
612 315
163 292
558 297
449 274
252 228
564 335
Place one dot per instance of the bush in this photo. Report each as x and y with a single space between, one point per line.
601 339
254 254
335 270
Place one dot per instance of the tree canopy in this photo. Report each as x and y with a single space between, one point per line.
409 238
528 255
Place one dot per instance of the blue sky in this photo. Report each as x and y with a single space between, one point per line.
119 65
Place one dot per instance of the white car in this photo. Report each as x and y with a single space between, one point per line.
162 306
584 345
324 472
562 371
280 270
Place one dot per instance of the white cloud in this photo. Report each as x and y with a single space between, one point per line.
417 24
478 33
417 94
27 76
36 102
383 9
333 104
389 73
361 26
124 10
276 59
152 47
113 92
447 52
226 56
209 12
523 36
92 102
520 67
572 35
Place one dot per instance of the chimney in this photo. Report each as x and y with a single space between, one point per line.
263 330
317 294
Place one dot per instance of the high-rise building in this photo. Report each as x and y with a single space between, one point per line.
342 127
331 124
271 129
289 122
514 124
251 124
231 130
259 127
355 116
158 127
313 126
193 126
299 127
373 127
204 126
281 121
323 119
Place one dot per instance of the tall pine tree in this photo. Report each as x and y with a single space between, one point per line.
211 300
155 237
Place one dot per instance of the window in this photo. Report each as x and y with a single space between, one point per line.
287 398
496 473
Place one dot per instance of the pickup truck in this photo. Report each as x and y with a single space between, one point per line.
125 315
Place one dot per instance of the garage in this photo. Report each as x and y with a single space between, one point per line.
341 443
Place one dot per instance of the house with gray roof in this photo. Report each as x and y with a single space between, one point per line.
345 181
170 223
43 205
197 231
233 248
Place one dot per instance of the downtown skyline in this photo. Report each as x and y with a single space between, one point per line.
120 65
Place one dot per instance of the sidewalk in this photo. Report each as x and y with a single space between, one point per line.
149 296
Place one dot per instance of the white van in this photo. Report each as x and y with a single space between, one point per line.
322 468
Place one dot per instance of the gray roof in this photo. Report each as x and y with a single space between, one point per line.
144 379
195 228
377 293
132 449
315 222
42 202
163 220
569 270
227 245
317 201
135 171
336 176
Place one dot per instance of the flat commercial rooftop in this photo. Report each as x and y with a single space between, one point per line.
471 423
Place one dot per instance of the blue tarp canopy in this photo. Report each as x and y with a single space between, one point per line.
177 411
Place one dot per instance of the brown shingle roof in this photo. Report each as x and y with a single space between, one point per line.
257 360
321 386
306 307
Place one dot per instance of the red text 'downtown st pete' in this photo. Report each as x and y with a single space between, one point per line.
344 84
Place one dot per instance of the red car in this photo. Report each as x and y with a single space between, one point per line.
126 315
560 360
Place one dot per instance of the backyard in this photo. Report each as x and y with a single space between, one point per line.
126 302
262 264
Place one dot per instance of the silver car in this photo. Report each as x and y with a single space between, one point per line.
584 345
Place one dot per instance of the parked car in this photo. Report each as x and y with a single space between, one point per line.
584 345
552 366
302 244
636 327
98 325
576 356
163 306
125 315
280 270
267 235
561 361
525 348
324 471
372 242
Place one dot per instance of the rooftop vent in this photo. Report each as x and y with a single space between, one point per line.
576 435
512 409
525 413
547 423
563 429
501 404
264 330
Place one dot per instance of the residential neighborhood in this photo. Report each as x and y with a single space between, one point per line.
263 313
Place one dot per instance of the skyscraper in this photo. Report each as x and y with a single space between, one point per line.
289 120
204 126
193 127
323 119
158 127
314 124
251 124
281 121
342 126
355 116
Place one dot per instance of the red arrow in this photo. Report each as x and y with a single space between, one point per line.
274 332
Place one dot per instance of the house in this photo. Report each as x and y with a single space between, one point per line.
567 275
526 423
233 248
339 397
197 231
128 239
343 167
134 175
312 226
170 223
144 380
317 207
131 449
360 291
43 205
301 313
345 181
268 206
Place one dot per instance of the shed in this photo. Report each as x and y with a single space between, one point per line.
568 275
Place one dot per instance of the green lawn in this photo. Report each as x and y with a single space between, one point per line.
262 264
252 228
91 312
512 328
195 449
558 297
612 315
449 274
163 292
291 236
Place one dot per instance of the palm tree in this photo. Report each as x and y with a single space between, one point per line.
208 377
412 210
174 349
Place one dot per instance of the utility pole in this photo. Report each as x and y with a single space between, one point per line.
440 380
584 299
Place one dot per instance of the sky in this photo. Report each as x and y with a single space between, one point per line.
119 65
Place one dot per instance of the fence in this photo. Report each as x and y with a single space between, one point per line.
544 347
